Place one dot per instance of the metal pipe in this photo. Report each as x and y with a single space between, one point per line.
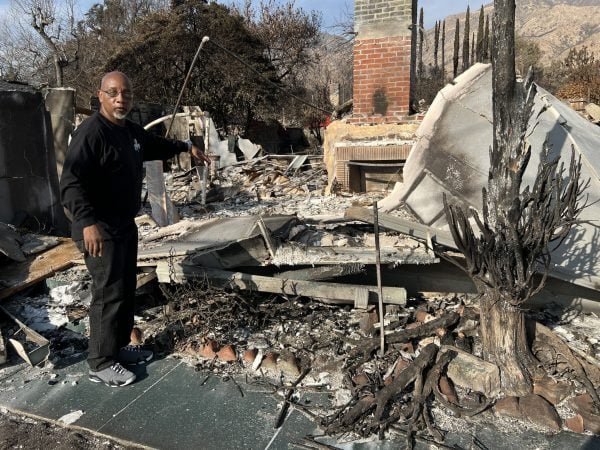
165 118
379 284
205 39
203 181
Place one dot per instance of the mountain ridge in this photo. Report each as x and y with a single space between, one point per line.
555 25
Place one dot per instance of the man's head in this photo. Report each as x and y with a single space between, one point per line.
116 97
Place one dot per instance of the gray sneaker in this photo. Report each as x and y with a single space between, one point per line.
131 355
113 376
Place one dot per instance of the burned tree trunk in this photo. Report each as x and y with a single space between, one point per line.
517 225
503 323
504 340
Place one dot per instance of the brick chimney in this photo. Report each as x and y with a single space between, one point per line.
383 58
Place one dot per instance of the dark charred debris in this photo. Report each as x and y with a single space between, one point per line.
267 281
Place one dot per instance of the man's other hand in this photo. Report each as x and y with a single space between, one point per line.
92 240
199 155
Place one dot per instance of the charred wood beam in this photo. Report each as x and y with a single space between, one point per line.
382 398
367 347
168 272
407 376
322 272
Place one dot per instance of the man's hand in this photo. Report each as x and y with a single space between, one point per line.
92 240
199 155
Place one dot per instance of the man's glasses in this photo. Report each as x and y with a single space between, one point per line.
112 93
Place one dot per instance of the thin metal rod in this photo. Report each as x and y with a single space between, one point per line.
379 285
204 182
205 39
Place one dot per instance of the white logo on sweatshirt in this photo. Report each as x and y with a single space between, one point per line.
136 145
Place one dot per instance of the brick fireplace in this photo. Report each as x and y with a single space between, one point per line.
367 150
383 52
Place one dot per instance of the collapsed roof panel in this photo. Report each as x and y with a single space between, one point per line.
451 155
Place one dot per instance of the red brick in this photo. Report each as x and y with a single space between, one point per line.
227 354
575 424
386 67
250 355
209 349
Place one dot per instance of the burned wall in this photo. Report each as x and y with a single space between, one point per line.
29 193
60 103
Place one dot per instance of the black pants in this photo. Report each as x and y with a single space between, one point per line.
113 293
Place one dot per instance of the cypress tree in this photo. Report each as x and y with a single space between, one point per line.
444 50
480 36
486 40
456 48
473 58
466 47
436 43
421 38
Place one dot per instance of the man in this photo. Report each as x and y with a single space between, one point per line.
101 186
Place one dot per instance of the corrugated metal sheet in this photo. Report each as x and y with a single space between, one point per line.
452 155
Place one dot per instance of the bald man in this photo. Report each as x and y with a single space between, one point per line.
101 186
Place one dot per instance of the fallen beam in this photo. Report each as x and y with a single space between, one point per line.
176 272
322 272
403 226
297 255
19 276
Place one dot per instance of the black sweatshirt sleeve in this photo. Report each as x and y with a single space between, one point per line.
81 164
159 148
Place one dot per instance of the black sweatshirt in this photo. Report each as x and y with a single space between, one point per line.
101 180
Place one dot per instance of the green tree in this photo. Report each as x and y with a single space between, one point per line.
528 54
577 76
443 70
436 43
99 36
421 70
473 55
456 49
486 41
480 36
466 47
159 54
294 46
288 33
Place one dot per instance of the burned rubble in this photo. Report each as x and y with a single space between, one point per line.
274 287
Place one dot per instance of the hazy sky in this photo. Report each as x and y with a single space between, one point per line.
334 11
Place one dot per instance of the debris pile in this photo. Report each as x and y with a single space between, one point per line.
272 283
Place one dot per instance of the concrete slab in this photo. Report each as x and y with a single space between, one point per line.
169 406
172 406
